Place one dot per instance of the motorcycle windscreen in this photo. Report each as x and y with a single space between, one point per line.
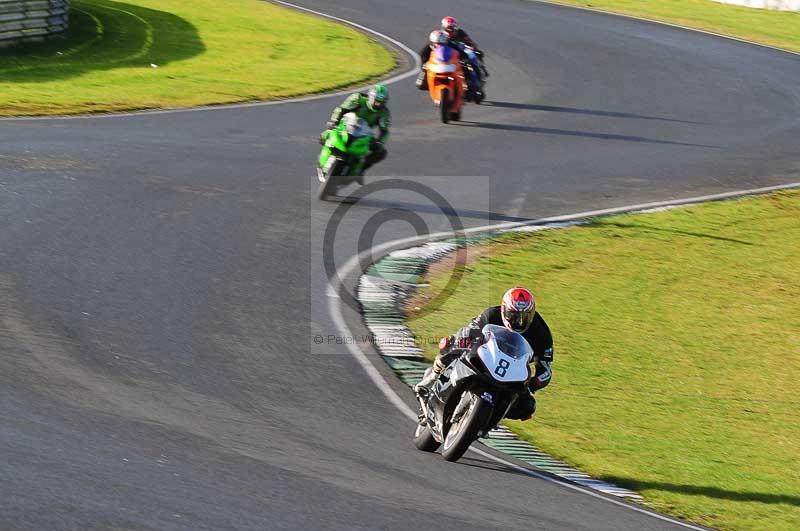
443 54
355 126
505 353
511 343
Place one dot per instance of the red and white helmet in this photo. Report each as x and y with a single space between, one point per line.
518 309
449 26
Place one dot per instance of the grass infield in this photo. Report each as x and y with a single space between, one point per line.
175 53
775 28
677 340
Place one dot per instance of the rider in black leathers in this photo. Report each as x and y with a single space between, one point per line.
518 313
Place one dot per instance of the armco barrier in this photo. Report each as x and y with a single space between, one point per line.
31 20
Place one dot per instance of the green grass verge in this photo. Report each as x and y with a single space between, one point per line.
677 352
775 28
207 52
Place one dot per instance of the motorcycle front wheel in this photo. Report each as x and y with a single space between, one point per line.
329 185
465 430
444 106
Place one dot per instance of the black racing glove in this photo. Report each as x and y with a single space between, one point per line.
475 334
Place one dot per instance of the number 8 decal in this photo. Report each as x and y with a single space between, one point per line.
502 368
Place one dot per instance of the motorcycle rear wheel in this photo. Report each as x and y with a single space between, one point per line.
465 430
423 439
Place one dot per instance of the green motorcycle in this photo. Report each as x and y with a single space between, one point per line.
343 154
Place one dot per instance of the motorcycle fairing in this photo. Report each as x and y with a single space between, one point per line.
505 367
350 141
443 54
442 68
356 127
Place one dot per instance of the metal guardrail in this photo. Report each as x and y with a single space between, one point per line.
31 20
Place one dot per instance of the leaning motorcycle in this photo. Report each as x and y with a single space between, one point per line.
473 393
343 154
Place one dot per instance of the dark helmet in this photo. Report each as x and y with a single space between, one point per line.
518 309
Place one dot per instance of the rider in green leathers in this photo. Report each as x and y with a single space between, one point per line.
372 108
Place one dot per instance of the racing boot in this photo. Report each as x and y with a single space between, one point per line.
428 378
422 79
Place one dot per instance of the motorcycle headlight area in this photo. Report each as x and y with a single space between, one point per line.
438 68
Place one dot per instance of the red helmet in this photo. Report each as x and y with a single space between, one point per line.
517 309
449 26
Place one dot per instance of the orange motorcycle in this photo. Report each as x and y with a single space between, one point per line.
446 82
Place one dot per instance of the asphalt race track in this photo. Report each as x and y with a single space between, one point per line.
161 275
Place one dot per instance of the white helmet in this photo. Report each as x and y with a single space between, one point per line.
438 37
